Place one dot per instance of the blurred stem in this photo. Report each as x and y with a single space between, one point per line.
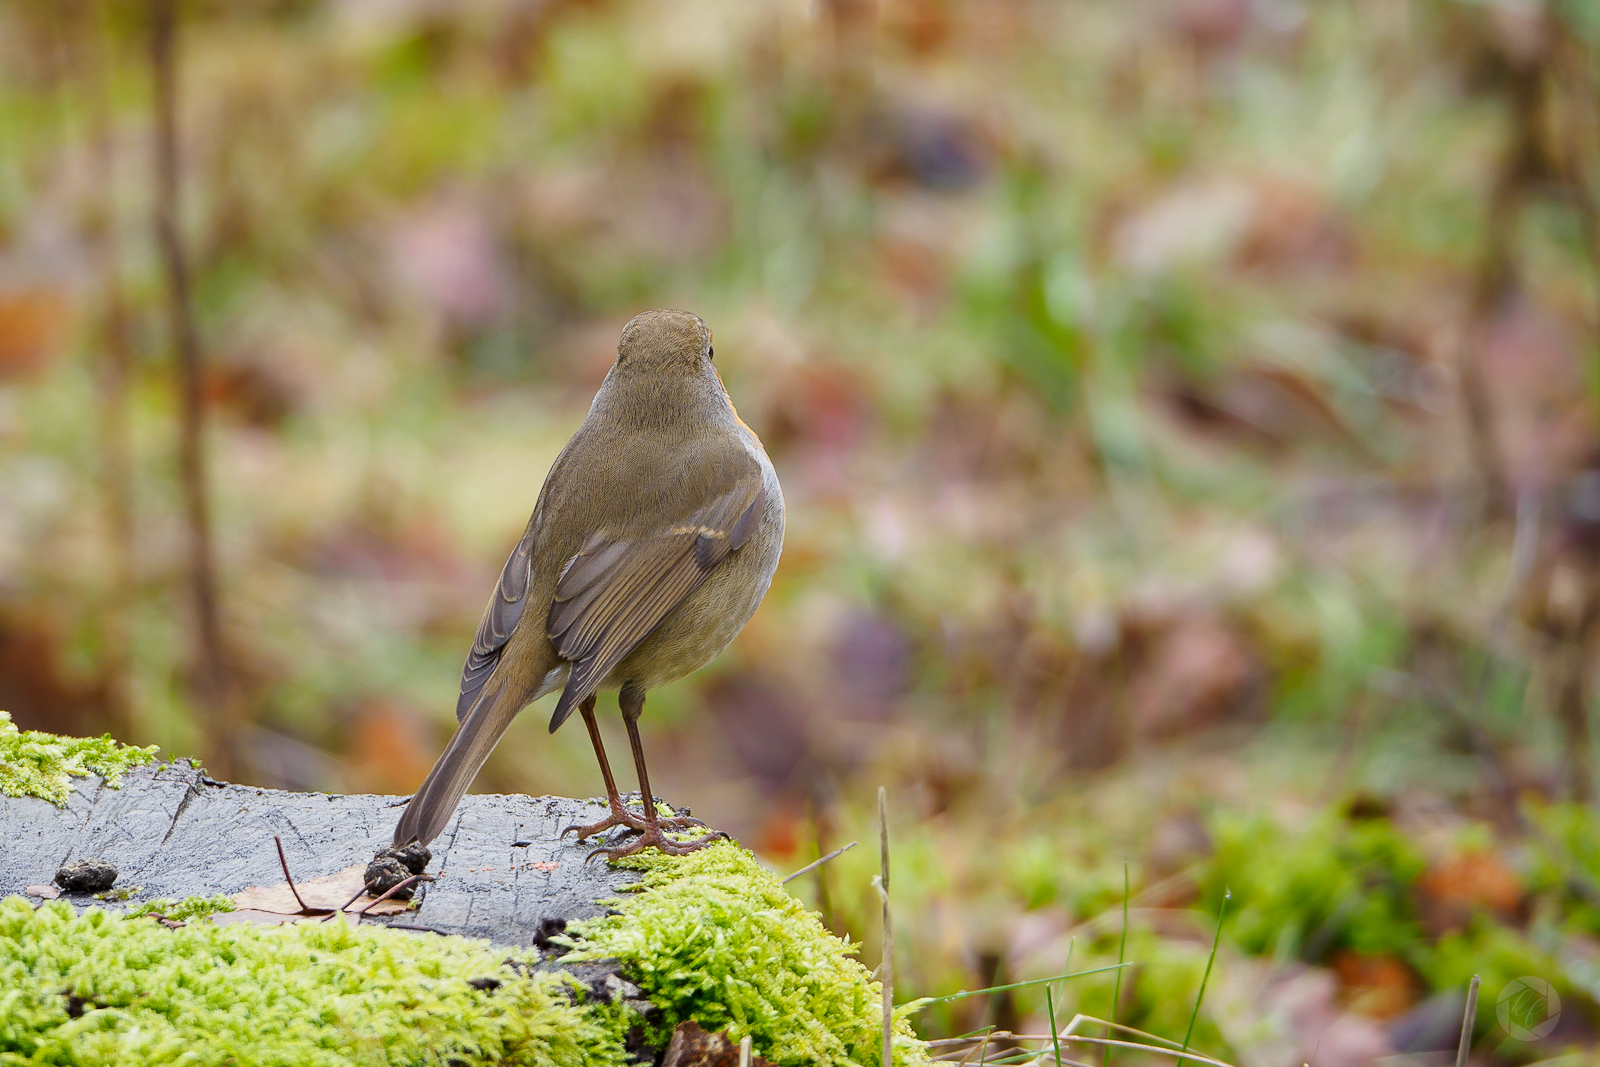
114 374
822 827
212 688
1521 163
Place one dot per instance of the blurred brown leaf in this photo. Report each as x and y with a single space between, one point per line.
33 323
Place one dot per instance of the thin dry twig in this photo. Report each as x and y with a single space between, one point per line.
1192 1057
744 1051
283 861
967 1039
392 890
1072 1028
347 903
814 864
1020 985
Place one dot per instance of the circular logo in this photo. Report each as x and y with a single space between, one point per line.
1528 1008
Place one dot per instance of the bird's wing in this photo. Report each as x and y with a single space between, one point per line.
499 619
616 590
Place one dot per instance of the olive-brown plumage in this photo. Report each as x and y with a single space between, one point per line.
652 542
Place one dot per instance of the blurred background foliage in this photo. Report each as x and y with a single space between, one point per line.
1186 412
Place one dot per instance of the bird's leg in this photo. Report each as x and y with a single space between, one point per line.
620 815
632 703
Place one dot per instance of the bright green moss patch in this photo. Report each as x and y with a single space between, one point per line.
34 764
307 995
185 909
714 937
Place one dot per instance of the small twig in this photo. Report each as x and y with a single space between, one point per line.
1064 1035
982 1051
744 1051
1469 1017
392 890
887 966
284 862
967 1039
1020 985
1072 1028
419 929
814 864
346 904
1222 913
1193 1057
1122 955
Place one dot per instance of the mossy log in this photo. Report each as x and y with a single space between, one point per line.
502 869
211 963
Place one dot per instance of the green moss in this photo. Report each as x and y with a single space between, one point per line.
34 764
185 909
1305 891
714 937
306 995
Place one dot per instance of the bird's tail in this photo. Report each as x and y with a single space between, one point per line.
442 790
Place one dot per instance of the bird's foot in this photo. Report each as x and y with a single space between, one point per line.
652 837
621 816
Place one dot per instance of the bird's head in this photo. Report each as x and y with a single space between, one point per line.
664 371
665 342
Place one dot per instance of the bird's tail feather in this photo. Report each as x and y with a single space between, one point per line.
430 809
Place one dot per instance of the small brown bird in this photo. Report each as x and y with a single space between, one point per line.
653 540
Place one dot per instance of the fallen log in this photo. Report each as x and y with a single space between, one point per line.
501 869
212 947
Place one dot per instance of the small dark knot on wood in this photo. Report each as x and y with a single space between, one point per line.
86 876
391 866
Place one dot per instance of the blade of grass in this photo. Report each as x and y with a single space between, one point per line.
1050 1007
887 965
1222 914
1122 955
1468 1017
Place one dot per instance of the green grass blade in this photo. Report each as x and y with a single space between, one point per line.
1122 955
1222 914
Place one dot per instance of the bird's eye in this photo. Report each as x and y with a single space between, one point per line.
711 353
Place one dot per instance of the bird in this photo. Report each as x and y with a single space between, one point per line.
653 540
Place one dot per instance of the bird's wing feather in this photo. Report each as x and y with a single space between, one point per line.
616 590
499 619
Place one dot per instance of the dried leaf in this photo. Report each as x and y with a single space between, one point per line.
328 892
251 915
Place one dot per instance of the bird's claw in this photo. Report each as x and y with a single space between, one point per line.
621 816
656 839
